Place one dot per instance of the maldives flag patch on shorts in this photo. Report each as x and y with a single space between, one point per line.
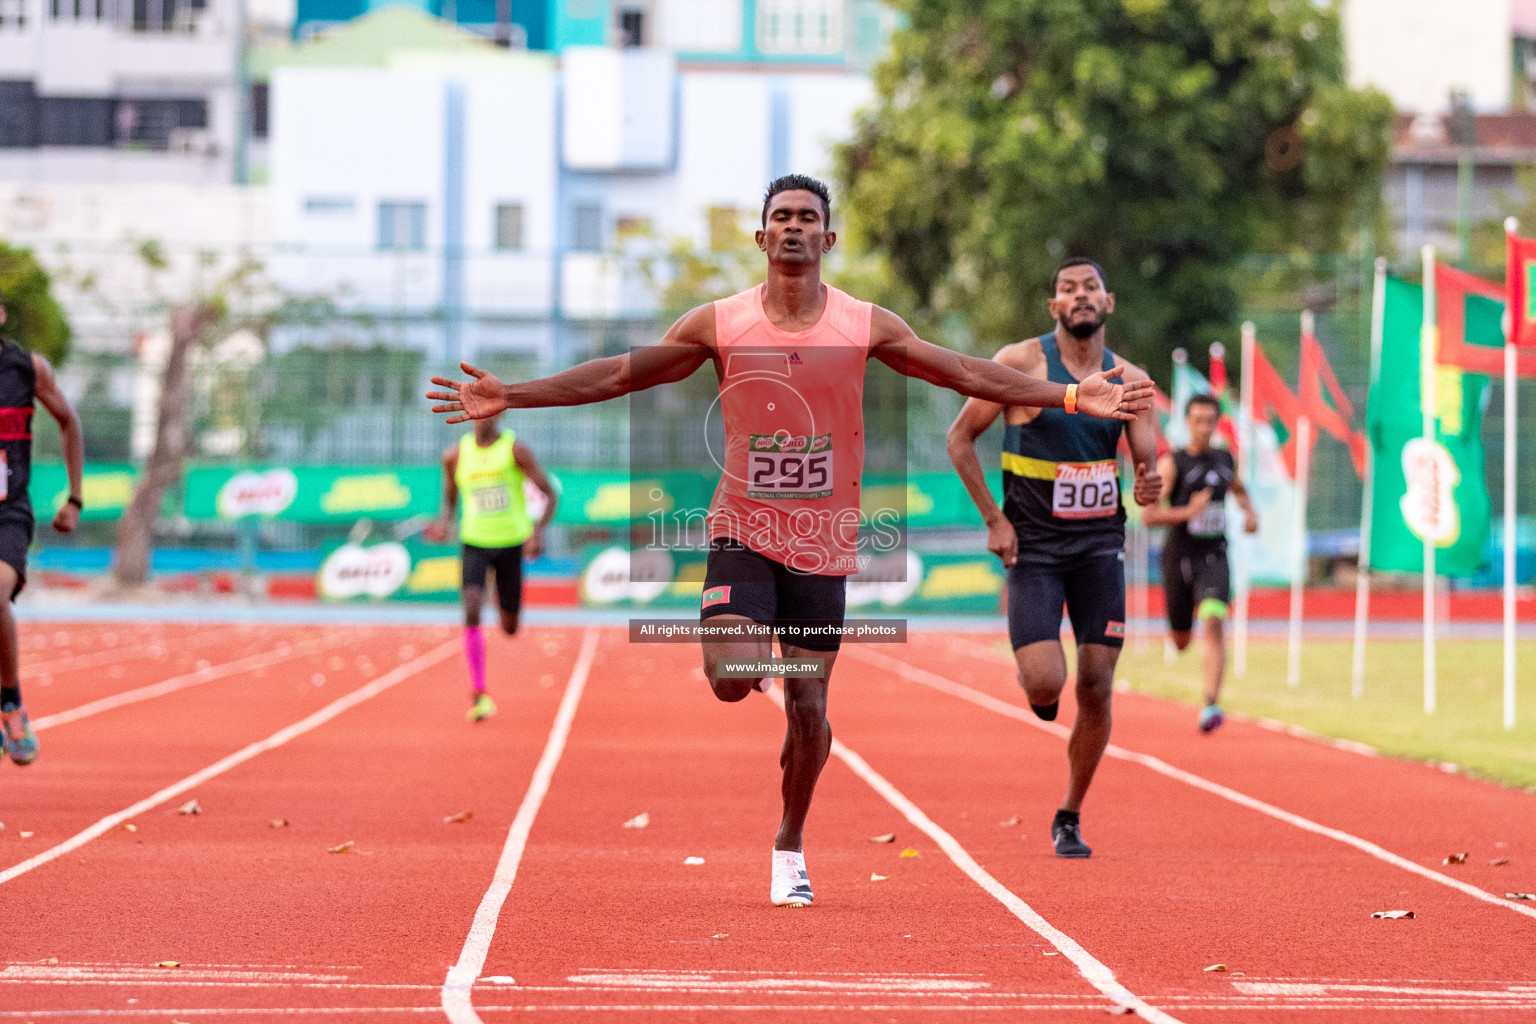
716 595
1115 629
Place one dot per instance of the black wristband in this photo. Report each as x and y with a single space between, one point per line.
72 500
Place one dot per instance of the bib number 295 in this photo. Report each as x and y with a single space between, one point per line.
785 475
1085 490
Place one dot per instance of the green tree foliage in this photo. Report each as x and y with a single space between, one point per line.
1164 138
34 318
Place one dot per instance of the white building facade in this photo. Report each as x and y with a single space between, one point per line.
106 91
503 205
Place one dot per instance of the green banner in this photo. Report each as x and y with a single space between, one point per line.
345 494
916 582
107 488
1424 488
313 494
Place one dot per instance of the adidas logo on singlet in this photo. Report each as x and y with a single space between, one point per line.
795 360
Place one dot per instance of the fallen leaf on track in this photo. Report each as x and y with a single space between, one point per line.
1052 952
1499 862
1216 967
1455 858
638 821
1520 895
693 861
345 847
500 979
1394 915
278 823
28 835
878 878
889 837
49 960
459 819
190 807
910 852
721 935
128 826
1010 822
168 963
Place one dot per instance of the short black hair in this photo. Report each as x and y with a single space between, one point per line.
1078 261
1209 400
799 183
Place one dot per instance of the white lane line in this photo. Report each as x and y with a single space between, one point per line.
1001 707
646 1008
457 1002
1095 972
239 757
282 652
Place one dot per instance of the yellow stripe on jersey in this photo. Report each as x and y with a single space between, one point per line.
1023 465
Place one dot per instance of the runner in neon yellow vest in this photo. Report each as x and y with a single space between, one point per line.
488 467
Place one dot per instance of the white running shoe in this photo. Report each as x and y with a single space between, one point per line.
791 885
764 684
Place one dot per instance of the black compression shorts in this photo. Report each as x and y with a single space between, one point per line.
1092 588
1195 584
739 581
15 538
508 564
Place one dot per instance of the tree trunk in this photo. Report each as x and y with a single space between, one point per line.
167 460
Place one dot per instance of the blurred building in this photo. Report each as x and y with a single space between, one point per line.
1419 52
812 32
483 200
118 91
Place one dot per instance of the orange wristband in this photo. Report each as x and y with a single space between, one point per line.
1070 402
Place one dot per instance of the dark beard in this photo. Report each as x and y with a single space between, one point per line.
1084 328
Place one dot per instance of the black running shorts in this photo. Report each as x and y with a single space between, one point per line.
1092 588
508 564
739 581
15 538
1196 584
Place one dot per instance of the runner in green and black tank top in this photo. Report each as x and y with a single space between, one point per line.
1197 582
26 378
1061 485
1061 529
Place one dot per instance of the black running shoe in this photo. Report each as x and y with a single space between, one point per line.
1068 837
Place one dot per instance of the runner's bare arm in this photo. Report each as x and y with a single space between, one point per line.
533 547
73 438
437 530
896 345
1141 435
975 419
1161 514
684 349
1245 502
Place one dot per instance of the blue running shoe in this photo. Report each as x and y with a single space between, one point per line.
19 739
1211 718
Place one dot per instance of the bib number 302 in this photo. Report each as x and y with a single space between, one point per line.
1085 490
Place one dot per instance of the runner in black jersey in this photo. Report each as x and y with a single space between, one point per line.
25 377
1061 530
1197 583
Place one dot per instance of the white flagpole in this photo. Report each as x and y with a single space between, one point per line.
1367 500
1428 343
1299 549
1511 226
1245 470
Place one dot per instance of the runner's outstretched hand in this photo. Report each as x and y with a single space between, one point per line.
479 398
1149 484
1003 541
1097 396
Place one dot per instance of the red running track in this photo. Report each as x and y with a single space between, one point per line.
1208 849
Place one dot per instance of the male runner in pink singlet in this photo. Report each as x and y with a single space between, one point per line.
789 356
